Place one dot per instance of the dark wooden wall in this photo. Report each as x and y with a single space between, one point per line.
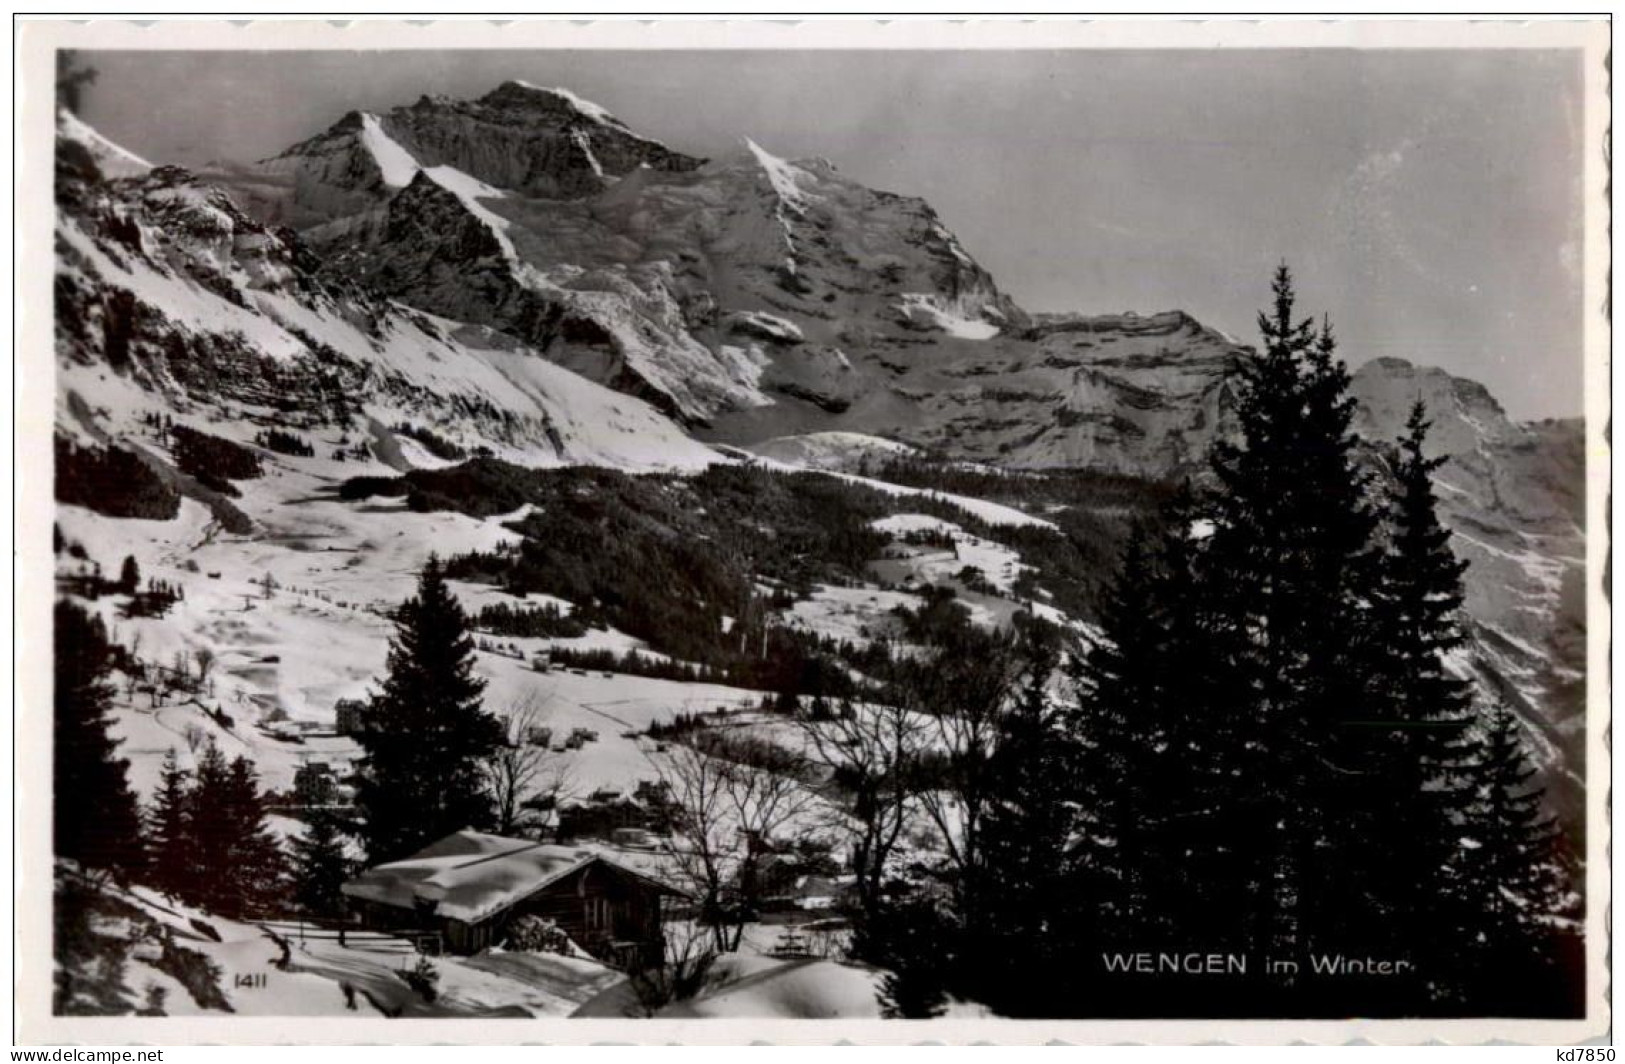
613 916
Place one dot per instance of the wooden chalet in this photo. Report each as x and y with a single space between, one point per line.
469 887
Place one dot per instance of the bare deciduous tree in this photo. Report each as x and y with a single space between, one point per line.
872 754
521 776
732 800
963 698
204 659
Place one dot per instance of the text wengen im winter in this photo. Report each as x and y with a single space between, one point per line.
1236 964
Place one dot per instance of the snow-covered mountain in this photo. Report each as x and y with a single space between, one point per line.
169 295
524 275
538 142
704 287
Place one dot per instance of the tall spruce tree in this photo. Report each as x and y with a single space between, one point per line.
1217 710
1028 921
129 576
320 866
97 821
1513 879
424 733
238 867
1292 552
1273 753
209 818
170 831
1160 808
1412 741
1420 593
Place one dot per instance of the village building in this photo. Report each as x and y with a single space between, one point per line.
469 887
347 716
315 785
607 811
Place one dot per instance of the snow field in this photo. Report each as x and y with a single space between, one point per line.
490 984
918 306
845 613
991 512
999 565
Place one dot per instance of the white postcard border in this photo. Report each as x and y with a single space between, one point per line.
34 405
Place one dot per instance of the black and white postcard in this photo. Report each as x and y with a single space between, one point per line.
996 531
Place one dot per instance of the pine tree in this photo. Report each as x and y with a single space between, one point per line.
1272 751
129 577
97 822
320 867
1412 742
209 817
1292 553
424 733
1512 877
169 827
1216 714
255 868
1160 806
1028 926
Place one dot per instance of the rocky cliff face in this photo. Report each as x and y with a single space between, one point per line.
536 142
170 298
547 143
1136 395
707 288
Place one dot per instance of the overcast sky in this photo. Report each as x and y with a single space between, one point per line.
1428 201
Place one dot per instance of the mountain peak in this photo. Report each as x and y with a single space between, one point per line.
1464 413
522 95
519 137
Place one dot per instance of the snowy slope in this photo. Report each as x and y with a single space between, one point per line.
221 311
322 977
322 634
832 450
111 159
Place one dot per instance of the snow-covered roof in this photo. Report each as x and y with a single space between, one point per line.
471 875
